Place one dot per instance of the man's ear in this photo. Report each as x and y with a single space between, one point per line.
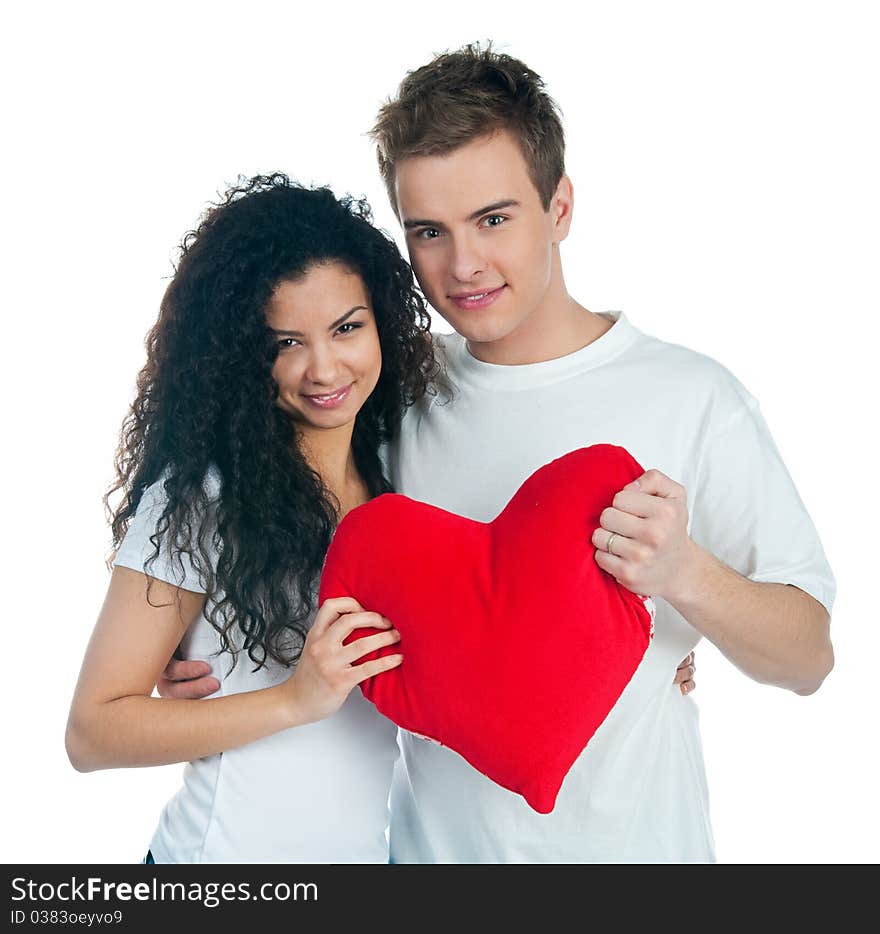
561 208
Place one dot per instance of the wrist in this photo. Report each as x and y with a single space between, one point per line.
685 590
289 709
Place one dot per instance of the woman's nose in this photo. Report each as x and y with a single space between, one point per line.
323 365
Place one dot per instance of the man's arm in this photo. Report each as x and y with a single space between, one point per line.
775 633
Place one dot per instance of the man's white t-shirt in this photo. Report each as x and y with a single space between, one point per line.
312 794
638 792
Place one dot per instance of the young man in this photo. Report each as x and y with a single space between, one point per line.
471 152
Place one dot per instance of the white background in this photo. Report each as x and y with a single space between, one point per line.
724 157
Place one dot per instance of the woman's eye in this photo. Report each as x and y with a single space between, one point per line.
285 343
349 326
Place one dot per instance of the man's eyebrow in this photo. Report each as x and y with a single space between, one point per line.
494 206
409 223
335 324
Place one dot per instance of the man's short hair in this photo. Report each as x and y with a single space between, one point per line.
462 96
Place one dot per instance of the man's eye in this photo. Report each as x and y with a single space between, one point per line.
428 233
494 220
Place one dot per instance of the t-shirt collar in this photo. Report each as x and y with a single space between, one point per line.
528 375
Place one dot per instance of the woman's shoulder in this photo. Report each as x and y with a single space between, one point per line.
147 547
156 495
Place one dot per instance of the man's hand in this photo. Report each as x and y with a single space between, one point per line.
185 680
684 674
646 526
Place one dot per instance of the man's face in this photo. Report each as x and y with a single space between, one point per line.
479 240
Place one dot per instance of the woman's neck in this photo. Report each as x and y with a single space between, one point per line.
329 453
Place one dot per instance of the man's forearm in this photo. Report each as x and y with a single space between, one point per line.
775 633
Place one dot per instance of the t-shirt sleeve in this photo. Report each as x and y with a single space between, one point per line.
136 549
747 512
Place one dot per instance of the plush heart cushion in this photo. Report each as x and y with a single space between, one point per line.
515 643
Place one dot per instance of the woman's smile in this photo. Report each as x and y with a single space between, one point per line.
330 400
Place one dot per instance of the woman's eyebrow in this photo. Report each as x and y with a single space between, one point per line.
347 315
335 324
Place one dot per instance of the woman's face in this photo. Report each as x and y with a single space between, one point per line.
329 358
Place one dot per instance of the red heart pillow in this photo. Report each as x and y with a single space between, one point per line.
515 643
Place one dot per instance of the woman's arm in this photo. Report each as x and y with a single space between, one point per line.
114 721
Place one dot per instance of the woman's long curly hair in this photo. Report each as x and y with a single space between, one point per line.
206 402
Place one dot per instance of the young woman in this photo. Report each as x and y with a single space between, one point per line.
289 343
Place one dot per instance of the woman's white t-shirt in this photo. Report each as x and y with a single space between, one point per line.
315 793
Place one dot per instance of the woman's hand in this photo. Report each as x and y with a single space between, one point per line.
326 671
115 723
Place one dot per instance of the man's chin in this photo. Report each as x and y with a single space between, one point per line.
474 330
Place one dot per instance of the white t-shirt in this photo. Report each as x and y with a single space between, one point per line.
316 793
638 792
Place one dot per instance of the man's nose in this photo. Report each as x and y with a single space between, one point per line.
467 258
